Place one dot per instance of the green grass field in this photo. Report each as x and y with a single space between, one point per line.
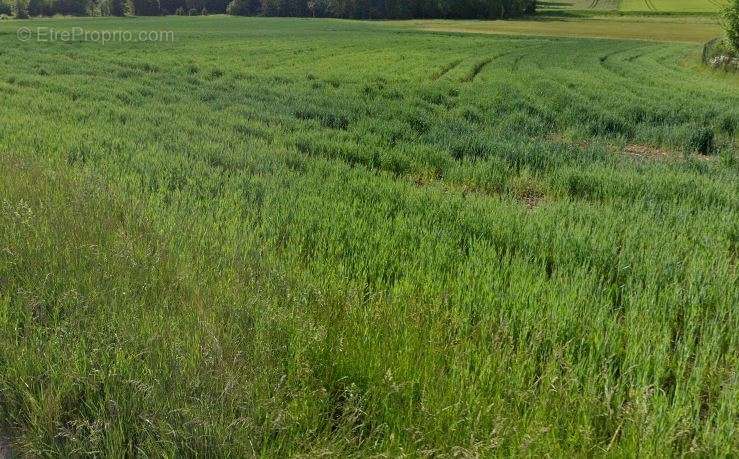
285 237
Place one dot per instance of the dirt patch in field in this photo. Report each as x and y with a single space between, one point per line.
530 198
647 152
13 161
556 137
654 153
633 150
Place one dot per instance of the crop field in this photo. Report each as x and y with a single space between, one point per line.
578 5
636 6
285 237
672 6
661 29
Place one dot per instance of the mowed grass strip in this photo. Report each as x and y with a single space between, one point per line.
280 237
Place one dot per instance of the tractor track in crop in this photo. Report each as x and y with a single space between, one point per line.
480 66
446 69
476 70
519 58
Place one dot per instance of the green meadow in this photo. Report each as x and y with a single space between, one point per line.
295 237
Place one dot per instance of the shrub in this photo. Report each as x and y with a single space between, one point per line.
180 11
5 9
731 24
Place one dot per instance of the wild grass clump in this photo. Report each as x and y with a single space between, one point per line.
699 139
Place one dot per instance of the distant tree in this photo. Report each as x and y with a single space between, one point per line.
215 6
191 5
145 7
270 7
294 8
731 23
70 7
173 5
398 9
19 9
117 8
244 7
320 8
35 7
48 7
341 8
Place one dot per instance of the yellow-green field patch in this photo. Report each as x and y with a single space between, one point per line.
672 6
667 29
595 5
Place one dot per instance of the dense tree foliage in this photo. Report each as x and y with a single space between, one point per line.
118 8
357 9
145 7
380 9
731 24
20 10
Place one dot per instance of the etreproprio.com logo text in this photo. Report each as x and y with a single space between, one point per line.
50 35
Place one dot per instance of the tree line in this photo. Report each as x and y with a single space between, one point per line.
385 9
28 8
355 9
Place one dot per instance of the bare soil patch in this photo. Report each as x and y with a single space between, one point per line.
647 152
530 198
634 150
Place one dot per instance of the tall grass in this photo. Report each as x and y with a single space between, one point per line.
286 237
